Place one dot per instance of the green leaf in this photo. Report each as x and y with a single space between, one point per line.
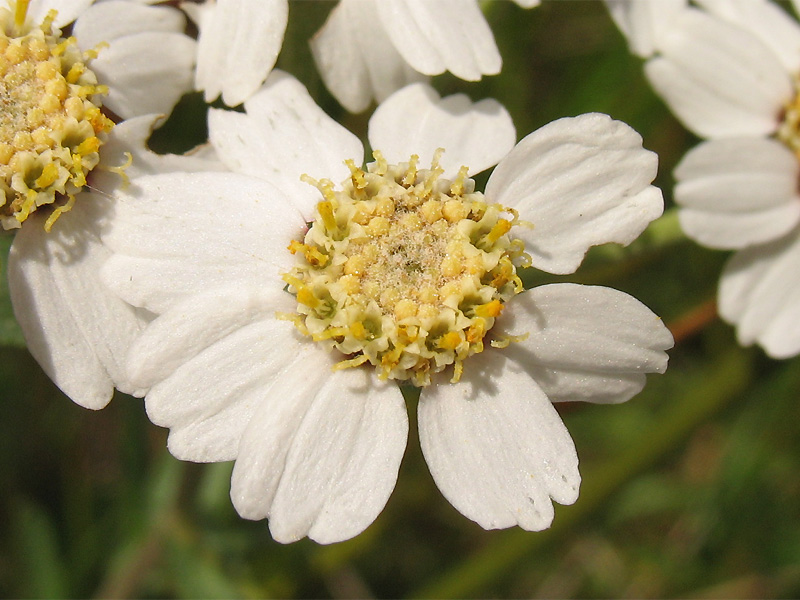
196 571
42 573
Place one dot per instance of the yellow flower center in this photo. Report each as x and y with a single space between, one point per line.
51 127
404 269
789 129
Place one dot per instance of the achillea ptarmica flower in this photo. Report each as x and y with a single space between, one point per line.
61 156
368 49
729 72
279 344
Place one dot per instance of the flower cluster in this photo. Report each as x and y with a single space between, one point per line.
275 293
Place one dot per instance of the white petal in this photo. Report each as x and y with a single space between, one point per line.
718 79
738 192
113 19
447 35
68 10
180 234
322 458
75 328
146 72
127 141
131 135
238 45
355 57
759 291
738 174
585 343
581 182
767 21
198 322
209 399
644 21
415 120
734 230
496 447
283 136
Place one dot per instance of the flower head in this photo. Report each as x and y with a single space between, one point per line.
62 156
277 342
729 72
404 269
50 128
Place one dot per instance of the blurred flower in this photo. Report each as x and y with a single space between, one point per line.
730 74
283 363
368 49
238 45
60 152
644 22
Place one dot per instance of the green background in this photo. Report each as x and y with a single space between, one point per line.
689 489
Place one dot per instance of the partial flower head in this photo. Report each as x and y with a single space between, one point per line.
53 87
729 71
75 117
367 49
293 295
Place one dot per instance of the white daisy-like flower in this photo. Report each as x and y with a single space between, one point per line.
367 49
279 344
238 44
729 71
61 153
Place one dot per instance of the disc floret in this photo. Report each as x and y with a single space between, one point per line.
51 126
405 269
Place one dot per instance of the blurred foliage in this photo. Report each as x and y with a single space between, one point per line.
690 489
10 333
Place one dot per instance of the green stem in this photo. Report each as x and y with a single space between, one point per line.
716 388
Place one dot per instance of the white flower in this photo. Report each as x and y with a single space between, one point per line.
643 22
238 45
730 74
370 48
318 435
136 59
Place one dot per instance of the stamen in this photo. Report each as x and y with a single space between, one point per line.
349 364
505 340
57 212
21 12
325 209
